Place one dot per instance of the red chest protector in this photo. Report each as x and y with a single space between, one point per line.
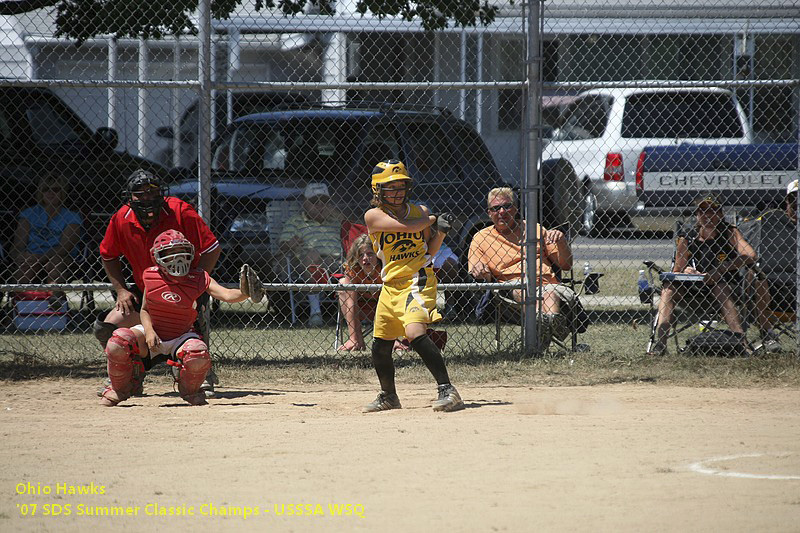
170 300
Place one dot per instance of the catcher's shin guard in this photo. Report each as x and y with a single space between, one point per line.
194 362
121 350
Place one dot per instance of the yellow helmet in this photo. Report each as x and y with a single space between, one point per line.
388 171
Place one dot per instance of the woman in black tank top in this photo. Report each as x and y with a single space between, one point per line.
712 248
706 251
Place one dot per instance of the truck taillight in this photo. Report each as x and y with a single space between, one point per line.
614 170
640 172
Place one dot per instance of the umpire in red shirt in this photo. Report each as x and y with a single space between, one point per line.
131 233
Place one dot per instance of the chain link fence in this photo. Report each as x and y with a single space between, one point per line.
271 125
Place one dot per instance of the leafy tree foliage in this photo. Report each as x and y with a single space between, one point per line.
154 19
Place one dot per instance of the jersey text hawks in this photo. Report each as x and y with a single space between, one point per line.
402 254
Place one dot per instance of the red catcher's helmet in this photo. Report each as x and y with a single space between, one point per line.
173 253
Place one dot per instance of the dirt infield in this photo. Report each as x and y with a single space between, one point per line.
620 457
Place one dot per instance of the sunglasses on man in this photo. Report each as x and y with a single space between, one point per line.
497 208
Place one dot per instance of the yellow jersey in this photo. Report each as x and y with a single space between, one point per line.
402 254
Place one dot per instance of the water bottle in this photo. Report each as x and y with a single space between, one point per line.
645 291
590 285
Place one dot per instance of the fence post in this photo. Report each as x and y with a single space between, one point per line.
204 126
797 259
143 67
532 186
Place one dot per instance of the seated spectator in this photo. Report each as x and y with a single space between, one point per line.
712 248
448 270
774 236
495 254
445 262
46 238
312 239
361 266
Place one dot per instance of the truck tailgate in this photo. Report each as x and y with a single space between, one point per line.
744 175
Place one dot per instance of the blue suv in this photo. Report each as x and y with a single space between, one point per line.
262 162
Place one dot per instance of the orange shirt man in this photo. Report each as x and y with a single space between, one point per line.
496 252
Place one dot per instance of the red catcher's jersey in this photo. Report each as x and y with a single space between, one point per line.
170 300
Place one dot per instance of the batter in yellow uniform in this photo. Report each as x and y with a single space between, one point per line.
409 284
405 237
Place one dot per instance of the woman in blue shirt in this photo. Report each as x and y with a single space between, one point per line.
47 235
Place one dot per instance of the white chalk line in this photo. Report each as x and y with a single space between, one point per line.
701 468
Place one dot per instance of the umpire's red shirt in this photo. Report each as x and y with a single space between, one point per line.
125 236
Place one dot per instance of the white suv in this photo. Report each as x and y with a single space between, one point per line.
596 149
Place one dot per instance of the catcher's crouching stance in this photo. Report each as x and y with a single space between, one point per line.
167 315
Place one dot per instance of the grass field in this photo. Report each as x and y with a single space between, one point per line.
247 344
615 355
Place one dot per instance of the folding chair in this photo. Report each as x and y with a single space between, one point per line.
318 275
697 307
775 243
577 320
348 232
88 268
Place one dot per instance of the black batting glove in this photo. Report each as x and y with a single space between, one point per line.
444 222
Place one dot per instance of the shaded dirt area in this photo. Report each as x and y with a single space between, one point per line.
620 457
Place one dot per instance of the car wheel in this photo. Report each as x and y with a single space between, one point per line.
561 204
589 224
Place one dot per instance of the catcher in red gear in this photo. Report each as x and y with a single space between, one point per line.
167 314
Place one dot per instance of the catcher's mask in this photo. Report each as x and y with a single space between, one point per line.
173 253
390 171
145 193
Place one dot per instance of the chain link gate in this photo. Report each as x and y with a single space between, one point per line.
318 100
652 108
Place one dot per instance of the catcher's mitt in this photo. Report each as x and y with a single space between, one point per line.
249 283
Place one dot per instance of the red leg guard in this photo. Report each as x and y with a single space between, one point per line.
120 351
195 362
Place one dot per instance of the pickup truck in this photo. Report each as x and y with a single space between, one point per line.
589 166
746 178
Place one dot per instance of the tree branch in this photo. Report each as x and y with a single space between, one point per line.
17 7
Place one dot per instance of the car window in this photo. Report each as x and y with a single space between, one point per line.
585 119
700 115
220 158
5 129
320 148
189 124
250 148
471 146
432 153
300 148
382 143
47 125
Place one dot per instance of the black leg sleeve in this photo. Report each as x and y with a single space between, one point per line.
384 366
432 357
103 331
